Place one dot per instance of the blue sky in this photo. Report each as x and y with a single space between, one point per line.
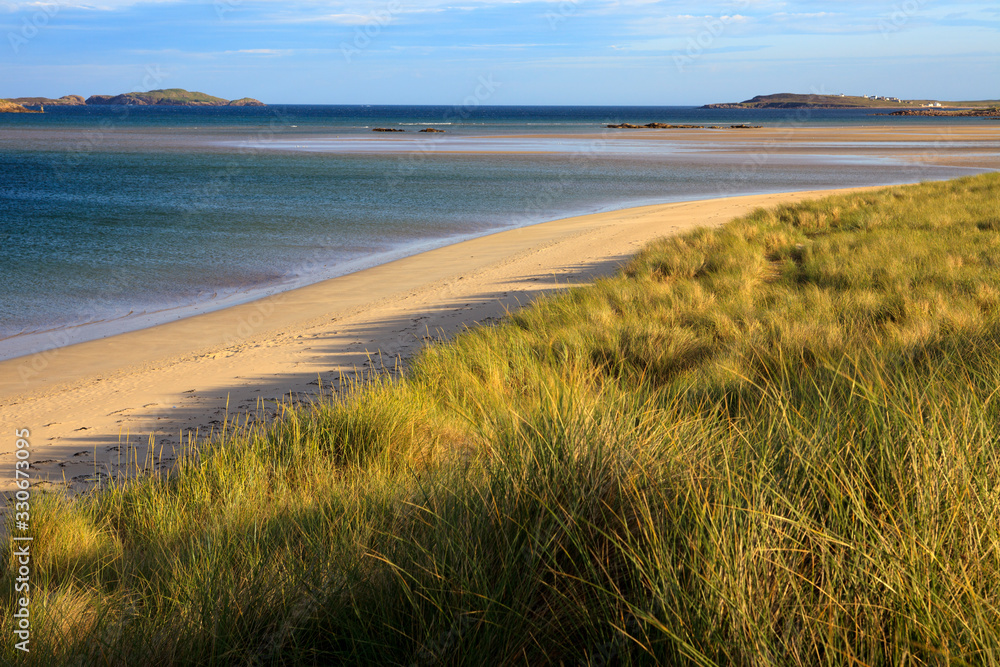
657 52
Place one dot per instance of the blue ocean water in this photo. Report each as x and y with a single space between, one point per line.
465 119
114 218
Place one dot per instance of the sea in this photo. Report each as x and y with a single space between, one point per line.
118 218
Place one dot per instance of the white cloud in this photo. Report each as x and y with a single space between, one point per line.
262 52
341 19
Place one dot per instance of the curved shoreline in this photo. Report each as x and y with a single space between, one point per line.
88 403
78 315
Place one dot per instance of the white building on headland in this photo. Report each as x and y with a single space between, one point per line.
881 98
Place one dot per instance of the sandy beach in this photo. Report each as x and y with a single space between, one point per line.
97 406
93 406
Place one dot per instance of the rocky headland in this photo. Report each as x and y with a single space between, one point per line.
813 101
798 101
64 101
8 106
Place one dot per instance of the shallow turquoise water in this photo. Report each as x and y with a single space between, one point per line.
112 222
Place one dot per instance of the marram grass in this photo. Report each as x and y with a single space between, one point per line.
773 443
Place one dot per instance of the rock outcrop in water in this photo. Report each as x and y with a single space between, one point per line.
246 102
387 129
655 126
665 126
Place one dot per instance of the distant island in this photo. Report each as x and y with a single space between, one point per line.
168 97
7 106
65 100
172 97
798 101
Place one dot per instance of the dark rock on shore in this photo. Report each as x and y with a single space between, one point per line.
655 126
387 129
967 113
665 126
431 129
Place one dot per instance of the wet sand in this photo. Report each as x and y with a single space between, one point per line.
938 138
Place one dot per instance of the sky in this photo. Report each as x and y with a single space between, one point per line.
603 52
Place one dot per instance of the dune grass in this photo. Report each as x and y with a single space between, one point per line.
773 443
